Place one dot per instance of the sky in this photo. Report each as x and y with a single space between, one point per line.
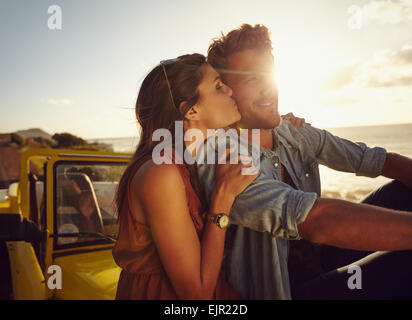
338 62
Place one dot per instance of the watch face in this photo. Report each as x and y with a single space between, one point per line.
223 221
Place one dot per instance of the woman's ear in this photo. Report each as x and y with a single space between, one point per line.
192 113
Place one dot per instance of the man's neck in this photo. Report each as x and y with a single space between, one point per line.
265 138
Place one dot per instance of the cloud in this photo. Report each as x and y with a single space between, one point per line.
404 56
384 76
340 77
389 11
338 100
388 68
393 82
58 102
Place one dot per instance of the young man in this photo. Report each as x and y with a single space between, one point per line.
284 202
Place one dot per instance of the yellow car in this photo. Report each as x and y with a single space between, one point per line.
57 231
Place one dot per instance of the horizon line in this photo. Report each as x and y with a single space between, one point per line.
349 126
136 136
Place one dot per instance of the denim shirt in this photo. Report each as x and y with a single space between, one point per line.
266 214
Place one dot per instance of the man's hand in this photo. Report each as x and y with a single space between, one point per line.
295 121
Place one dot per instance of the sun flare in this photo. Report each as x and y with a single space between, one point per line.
299 75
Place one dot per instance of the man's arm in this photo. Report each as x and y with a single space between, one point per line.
357 226
398 167
341 154
344 155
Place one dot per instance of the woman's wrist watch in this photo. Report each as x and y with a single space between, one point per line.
221 219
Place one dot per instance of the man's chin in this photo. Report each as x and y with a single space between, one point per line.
263 124
272 123
278 122
260 122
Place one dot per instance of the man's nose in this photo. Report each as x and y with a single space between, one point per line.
269 92
270 89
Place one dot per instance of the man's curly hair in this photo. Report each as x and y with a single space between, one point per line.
243 38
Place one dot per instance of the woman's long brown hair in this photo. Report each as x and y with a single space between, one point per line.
155 109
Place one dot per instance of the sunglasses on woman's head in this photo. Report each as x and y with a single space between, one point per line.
163 63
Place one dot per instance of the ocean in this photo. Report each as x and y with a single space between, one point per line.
394 138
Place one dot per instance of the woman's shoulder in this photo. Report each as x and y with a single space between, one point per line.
154 177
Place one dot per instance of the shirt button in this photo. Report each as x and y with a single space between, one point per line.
306 175
276 164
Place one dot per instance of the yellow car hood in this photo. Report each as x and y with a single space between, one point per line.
88 276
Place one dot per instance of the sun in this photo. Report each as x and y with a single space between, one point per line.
299 75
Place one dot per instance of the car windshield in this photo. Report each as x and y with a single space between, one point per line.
85 209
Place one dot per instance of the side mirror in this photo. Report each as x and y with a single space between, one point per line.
13 227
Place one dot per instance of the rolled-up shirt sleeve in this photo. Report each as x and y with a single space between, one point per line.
344 155
268 205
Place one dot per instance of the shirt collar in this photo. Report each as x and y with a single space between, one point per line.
277 140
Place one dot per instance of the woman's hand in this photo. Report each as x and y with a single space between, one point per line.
230 181
295 121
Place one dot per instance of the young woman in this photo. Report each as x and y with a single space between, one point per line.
166 248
